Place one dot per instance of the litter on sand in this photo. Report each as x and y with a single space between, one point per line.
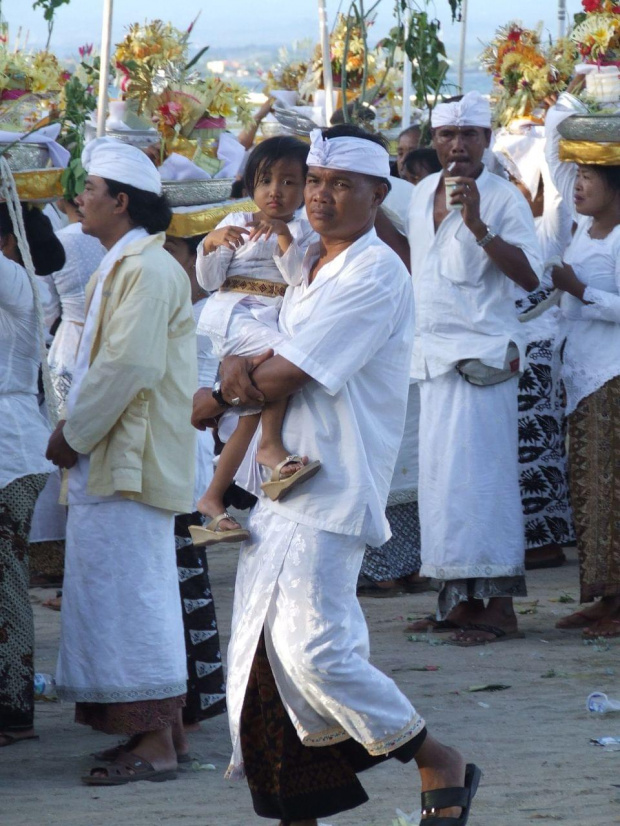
488 687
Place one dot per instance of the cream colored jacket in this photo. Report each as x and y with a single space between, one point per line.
132 414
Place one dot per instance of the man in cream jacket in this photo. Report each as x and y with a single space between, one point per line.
128 443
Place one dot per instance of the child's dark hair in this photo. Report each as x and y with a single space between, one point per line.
46 251
145 209
422 157
268 152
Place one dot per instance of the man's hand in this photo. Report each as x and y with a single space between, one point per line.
59 451
466 192
564 278
235 376
205 409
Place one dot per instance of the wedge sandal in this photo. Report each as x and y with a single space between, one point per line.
212 534
277 488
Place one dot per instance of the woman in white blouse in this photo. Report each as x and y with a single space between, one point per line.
23 468
590 279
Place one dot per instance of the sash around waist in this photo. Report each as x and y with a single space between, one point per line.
253 286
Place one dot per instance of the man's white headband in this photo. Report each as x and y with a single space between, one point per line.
117 161
349 154
472 110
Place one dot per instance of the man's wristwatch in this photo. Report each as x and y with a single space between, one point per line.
216 392
487 238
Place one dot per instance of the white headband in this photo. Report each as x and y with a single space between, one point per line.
349 154
472 110
117 161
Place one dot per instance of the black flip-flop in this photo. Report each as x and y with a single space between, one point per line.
461 796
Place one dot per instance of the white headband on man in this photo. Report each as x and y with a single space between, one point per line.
117 161
349 154
472 110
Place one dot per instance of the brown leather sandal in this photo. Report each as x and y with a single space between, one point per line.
128 768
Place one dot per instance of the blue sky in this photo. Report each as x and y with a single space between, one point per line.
231 23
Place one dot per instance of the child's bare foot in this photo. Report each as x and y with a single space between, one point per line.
212 507
270 456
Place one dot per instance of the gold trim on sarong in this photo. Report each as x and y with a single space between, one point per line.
253 286
588 152
190 224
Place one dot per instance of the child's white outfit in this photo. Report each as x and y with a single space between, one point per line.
248 285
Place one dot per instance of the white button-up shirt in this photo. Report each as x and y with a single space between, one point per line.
464 303
351 330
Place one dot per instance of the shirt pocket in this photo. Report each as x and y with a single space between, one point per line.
129 435
461 260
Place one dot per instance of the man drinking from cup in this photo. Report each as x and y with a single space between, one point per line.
472 239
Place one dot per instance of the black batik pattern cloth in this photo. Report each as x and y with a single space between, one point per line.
400 556
17 501
289 781
543 475
206 690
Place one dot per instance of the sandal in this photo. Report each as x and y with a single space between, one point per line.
212 534
576 620
434 625
13 741
277 488
128 768
462 796
499 635
114 752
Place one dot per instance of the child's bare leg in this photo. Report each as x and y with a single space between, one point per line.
271 450
212 502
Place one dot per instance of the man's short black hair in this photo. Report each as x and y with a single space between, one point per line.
145 209
424 157
414 129
268 152
350 130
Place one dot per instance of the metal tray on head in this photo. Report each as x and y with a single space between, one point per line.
294 122
196 193
603 128
23 156
136 137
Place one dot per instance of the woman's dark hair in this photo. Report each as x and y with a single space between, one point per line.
610 174
145 209
422 157
268 152
350 130
48 254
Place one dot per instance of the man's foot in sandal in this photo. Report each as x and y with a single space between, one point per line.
286 473
482 633
13 737
128 768
448 784
605 608
607 627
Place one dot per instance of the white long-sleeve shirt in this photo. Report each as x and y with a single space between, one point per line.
592 351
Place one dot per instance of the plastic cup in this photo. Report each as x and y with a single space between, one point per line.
451 184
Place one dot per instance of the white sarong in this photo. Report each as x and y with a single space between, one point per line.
469 500
122 630
299 584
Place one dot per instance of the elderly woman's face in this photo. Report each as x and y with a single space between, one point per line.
342 205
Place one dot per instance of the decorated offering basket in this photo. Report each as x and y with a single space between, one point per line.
591 139
195 193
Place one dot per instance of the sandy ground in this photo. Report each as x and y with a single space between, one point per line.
532 740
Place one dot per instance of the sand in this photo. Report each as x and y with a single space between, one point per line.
531 740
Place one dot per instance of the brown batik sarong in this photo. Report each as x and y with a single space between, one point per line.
17 501
594 430
289 781
129 718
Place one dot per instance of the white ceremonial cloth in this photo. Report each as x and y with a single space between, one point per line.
122 629
464 303
83 255
299 584
121 626
24 433
591 354
472 110
351 330
470 504
207 369
348 154
115 160
254 260
404 487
